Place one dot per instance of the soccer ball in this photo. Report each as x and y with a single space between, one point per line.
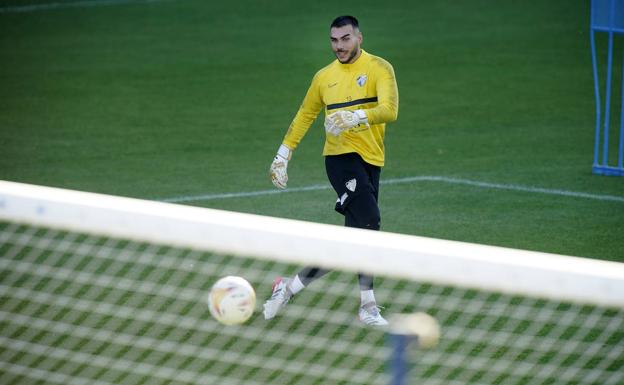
231 300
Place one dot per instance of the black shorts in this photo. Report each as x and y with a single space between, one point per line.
357 185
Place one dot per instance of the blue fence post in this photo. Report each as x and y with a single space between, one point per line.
399 365
420 329
621 147
606 16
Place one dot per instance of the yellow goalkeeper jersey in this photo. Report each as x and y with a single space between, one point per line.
367 84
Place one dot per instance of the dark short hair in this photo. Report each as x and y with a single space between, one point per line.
341 21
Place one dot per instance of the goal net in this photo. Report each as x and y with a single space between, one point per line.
106 290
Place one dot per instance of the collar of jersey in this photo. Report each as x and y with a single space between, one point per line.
359 63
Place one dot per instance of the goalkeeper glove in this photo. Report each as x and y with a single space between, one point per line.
279 174
340 121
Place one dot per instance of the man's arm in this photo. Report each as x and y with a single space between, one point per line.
387 109
309 109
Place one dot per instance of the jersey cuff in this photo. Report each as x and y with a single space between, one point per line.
361 116
284 152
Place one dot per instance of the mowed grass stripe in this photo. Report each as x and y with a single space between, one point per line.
73 4
406 180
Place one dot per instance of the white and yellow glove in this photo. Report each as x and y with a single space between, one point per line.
278 170
343 120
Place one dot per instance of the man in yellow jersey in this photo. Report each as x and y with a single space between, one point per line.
359 94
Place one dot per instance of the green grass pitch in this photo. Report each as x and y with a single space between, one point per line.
177 98
182 98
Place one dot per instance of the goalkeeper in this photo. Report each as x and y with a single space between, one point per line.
359 94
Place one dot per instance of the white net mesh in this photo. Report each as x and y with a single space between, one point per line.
81 308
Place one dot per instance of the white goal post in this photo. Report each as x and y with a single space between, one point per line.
402 256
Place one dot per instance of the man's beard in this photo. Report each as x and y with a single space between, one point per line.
353 54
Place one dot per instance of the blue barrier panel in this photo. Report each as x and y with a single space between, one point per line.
607 16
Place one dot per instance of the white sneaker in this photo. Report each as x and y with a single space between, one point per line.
280 297
369 314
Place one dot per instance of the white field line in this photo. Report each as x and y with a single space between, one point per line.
406 180
244 194
74 4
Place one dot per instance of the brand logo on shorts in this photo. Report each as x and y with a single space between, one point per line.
342 199
361 80
351 185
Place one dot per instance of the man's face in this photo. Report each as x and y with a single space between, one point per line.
345 42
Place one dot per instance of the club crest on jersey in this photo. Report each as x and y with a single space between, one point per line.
351 185
361 80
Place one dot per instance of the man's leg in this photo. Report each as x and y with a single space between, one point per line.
357 185
309 274
363 212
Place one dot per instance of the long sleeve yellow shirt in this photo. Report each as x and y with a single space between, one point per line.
367 84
